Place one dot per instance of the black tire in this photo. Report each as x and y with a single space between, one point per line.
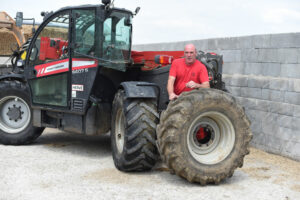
133 133
16 115
226 135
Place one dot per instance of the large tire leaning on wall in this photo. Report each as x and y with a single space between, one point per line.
16 115
133 133
204 135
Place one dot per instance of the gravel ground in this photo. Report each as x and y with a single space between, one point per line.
63 165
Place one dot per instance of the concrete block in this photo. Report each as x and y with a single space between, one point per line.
273 143
294 85
233 68
273 95
251 92
258 138
257 81
269 124
256 114
263 105
285 121
248 103
292 148
288 55
235 91
290 70
296 124
256 126
232 56
271 69
296 111
245 42
292 98
268 55
238 80
285 133
281 108
213 44
201 44
279 84
261 41
253 68
295 136
229 43
285 40
249 55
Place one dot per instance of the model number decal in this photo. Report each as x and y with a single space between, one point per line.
77 88
79 71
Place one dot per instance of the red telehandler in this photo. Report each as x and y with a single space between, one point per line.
80 75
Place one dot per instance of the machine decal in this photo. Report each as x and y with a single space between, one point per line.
77 87
61 66
73 94
83 63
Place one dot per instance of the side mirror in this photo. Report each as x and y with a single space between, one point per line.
137 10
19 19
34 53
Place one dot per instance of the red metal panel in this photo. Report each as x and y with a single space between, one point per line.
147 58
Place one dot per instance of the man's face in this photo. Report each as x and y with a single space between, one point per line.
189 55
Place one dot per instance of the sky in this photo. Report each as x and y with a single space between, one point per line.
181 20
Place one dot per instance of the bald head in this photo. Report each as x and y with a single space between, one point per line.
190 54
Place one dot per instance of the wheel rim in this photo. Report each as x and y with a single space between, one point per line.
120 130
14 114
211 138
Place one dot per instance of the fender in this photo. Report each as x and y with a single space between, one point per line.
135 89
19 77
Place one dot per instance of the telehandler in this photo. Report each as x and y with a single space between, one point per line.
80 75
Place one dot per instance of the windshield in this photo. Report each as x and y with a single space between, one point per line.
117 39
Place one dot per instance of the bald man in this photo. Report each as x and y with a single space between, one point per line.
186 74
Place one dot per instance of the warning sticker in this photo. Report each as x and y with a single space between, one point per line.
74 94
77 88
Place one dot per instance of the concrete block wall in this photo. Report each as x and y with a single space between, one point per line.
263 72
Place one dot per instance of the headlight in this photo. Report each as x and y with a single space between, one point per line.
20 63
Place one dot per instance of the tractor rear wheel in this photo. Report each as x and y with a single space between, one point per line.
133 133
16 115
204 135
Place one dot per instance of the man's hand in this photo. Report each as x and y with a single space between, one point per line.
173 96
192 84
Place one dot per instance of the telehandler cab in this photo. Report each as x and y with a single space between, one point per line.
80 75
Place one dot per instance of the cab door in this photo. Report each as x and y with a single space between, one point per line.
48 63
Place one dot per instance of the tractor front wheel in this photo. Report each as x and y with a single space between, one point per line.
15 114
133 133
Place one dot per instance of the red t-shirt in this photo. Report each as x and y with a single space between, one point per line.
184 73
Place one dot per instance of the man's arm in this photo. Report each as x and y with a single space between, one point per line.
194 85
170 88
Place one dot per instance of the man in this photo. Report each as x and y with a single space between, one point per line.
186 74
